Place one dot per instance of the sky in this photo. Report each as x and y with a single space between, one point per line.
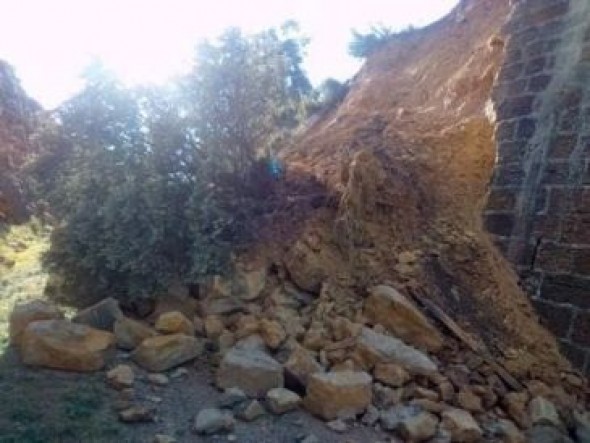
149 41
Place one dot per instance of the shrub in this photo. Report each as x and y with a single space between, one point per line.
363 45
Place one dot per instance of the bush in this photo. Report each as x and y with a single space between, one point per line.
162 185
363 45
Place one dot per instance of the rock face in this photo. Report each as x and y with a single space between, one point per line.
389 308
163 352
102 315
26 313
373 348
174 322
130 333
251 370
338 394
60 344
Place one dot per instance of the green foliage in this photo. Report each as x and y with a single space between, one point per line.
156 185
363 45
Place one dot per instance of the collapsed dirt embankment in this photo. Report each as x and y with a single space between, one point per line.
406 159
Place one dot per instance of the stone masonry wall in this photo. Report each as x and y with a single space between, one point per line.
539 203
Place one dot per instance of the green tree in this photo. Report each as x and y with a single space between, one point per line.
363 45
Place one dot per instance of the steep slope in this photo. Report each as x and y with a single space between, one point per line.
405 161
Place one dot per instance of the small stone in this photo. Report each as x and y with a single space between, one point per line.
384 396
411 422
446 390
461 425
466 399
232 397
337 426
162 438
158 379
338 394
391 374
310 439
251 411
225 341
428 394
272 333
121 376
137 414
281 400
543 412
154 399
232 437
213 421
174 322
546 434
179 373
515 405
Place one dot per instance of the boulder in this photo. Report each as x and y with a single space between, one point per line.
387 307
213 421
160 353
102 315
250 369
121 377
174 322
300 365
338 394
461 425
281 400
130 333
543 412
373 347
59 344
25 313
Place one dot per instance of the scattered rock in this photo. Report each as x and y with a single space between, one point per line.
247 325
102 315
300 365
461 425
160 353
232 397
137 414
338 394
212 421
337 426
121 377
384 396
391 374
371 416
251 370
543 412
410 422
281 400
251 411
174 322
130 333
59 344
396 313
158 379
272 333
26 313
373 348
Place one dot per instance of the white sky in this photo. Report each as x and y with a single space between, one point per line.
50 41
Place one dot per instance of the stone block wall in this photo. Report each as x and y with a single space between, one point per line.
539 203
